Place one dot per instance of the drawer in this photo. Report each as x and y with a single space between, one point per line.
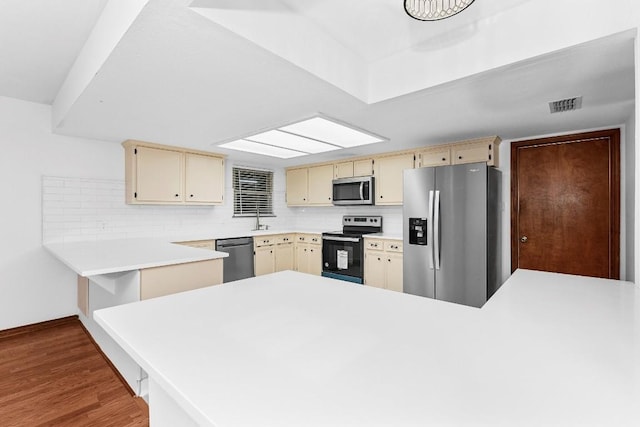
374 244
315 239
435 157
393 246
263 241
285 238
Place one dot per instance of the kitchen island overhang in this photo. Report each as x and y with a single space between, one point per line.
291 349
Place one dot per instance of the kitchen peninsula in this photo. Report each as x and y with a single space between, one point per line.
291 349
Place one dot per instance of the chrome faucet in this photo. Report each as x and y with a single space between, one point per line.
258 225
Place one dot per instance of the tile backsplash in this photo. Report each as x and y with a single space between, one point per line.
75 209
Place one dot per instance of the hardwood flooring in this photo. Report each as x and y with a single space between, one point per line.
56 376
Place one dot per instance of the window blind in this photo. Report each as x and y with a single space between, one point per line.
252 190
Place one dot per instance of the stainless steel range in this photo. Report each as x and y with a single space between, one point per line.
343 251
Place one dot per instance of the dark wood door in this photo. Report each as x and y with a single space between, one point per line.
565 203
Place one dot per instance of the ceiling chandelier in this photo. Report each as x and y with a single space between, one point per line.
434 10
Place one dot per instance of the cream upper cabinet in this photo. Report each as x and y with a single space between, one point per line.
320 185
436 156
297 187
343 170
363 167
159 174
389 172
204 178
480 150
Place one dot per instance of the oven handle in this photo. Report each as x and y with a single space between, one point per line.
341 239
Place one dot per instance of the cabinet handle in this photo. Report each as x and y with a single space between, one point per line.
378 258
460 157
177 195
190 195
444 159
389 259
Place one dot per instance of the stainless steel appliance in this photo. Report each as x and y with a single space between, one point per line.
239 264
354 191
451 221
343 251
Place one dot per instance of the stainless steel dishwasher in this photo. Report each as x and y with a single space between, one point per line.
239 264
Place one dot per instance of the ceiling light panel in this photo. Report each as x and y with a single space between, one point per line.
293 142
326 130
257 148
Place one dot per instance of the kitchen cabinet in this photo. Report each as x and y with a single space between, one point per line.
481 150
204 181
388 174
320 185
310 186
297 187
362 167
264 255
309 253
436 156
285 252
159 174
383 264
170 279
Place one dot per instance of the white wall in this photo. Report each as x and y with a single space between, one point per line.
33 286
627 217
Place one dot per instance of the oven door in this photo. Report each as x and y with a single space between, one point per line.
343 258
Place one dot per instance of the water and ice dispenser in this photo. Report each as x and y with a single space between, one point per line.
418 231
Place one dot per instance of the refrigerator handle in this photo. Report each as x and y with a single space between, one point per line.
429 230
436 230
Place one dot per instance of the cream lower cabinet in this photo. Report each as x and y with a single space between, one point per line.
170 279
285 252
389 171
264 255
309 253
383 264
200 244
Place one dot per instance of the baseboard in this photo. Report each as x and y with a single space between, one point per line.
35 327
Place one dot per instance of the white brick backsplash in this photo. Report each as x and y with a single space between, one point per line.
76 209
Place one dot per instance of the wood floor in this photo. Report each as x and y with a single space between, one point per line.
57 377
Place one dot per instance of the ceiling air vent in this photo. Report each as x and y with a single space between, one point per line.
563 105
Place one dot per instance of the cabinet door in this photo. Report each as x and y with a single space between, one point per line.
343 170
314 260
389 173
284 259
470 153
438 156
158 175
302 257
320 185
204 178
297 187
264 260
374 269
394 271
363 167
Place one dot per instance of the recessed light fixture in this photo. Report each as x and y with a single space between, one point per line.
311 136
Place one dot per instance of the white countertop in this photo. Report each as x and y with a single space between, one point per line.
95 257
92 258
386 236
291 349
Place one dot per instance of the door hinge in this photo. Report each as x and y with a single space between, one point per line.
135 195
135 151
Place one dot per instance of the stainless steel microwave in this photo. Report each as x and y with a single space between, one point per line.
354 191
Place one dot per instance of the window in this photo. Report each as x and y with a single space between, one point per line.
252 190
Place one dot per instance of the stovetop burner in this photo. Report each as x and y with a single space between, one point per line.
357 226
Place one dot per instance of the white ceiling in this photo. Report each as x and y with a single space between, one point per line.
184 78
40 41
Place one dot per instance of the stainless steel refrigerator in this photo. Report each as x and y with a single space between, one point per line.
451 221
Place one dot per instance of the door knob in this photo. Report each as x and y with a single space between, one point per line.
524 239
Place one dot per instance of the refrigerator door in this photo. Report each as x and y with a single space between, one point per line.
461 234
418 261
